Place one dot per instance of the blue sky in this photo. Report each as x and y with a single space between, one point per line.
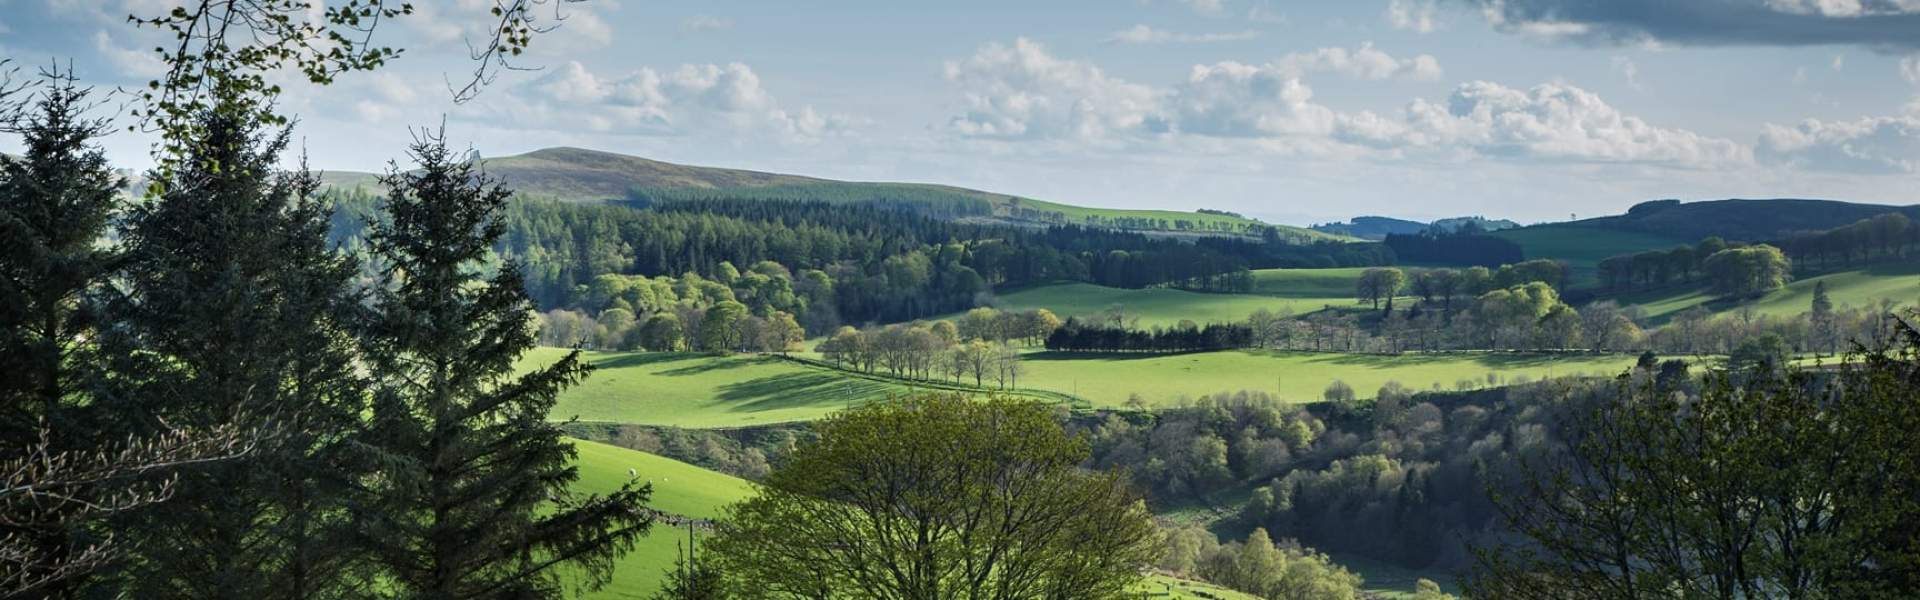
1297 112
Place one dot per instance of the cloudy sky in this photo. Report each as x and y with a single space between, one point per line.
1293 111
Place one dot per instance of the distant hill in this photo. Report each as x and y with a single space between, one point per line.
1377 228
1741 219
581 175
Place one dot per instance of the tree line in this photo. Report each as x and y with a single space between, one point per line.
216 403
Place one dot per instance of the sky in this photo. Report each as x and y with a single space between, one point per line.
1294 112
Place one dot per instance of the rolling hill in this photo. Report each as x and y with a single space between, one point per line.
1739 219
581 175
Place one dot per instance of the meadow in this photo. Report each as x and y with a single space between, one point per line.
1165 307
678 488
1307 283
1584 247
1858 288
1079 214
692 390
1109 380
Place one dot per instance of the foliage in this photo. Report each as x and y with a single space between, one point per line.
1748 271
476 499
938 496
1773 484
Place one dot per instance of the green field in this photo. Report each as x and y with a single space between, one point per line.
1108 379
1584 247
1857 288
1162 307
701 391
1307 283
1077 215
678 488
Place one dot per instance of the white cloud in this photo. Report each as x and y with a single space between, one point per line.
704 99
132 63
1364 62
1625 67
1867 145
1205 7
1231 99
1259 14
1839 62
1415 15
1559 121
1910 68
704 22
1021 91
1845 9
1142 34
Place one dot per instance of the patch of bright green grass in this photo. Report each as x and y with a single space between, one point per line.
1307 283
678 488
1076 215
1163 307
1584 247
702 391
1858 288
1109 379
1388 580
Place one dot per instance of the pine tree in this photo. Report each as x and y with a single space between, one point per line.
473 501
690 581
55 203
233 317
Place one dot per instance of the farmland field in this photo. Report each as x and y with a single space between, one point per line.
698 390
1108 379
678 488
1584 247
1858 288
1307 283
1162 307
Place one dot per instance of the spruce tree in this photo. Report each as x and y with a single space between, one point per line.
234 317
55 202
473 498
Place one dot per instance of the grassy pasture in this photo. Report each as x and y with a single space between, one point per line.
1856 287
1307 283
1078 214
1584 247
701 391
678 488
1162 307
1107 380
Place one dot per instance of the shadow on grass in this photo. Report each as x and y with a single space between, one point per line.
708 366
635 359
798 390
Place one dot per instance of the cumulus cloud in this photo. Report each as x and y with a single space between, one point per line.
704 22
1558 121
132 63
1021 91
1364 62
1142 34
1416 16
1877 24
1208 7
1867 145
692 99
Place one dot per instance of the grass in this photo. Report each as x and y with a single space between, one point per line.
1077 215
1856 287
1307 283
1387 580
1163 307
678 488
1584 247
702 391
1108 380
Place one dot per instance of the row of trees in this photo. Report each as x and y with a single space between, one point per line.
921 351
1186 336
291 432
1443 286
1730 269
1890 236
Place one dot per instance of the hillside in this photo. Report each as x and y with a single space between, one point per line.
678 488
1740 219
581 175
